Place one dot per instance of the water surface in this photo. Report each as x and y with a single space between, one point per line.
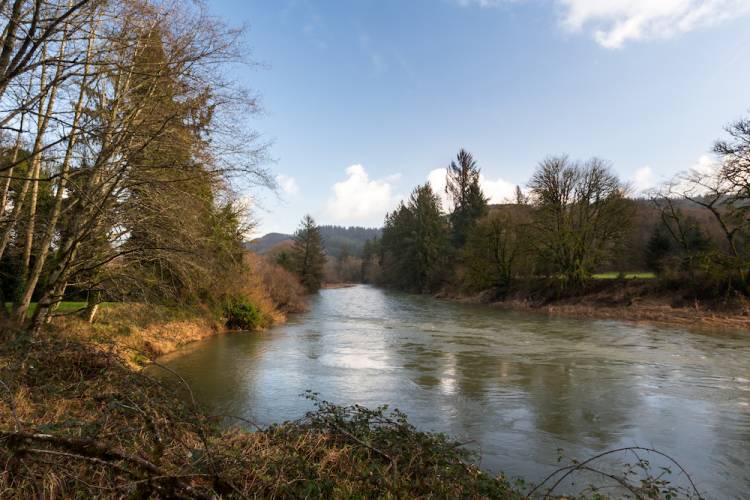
519 386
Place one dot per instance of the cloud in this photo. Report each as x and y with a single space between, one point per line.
359 199
643 179
706 166
616 22
287 184
498 191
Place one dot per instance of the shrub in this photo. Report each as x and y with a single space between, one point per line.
244 316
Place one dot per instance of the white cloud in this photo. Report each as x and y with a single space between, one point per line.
498 191
643 179
359 199
616 22
706 166
287 184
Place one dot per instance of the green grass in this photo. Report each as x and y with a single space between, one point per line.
65 307
629 276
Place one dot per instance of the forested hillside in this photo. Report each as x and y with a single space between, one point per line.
336 239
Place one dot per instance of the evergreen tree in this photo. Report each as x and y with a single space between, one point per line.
469 202
658 248
307 255
415 243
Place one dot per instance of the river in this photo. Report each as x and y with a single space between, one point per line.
517 386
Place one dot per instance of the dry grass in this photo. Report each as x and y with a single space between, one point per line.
140 332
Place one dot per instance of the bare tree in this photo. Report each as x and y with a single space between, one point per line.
581 214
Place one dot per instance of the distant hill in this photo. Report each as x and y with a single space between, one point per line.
265 243
335 239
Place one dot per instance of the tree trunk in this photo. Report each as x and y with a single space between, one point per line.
30 284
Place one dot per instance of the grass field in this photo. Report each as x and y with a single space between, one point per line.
629 276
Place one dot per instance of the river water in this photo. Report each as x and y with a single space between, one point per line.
518 386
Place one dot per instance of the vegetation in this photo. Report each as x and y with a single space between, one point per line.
122 191
336 240
576 225
415 243
307 257
466 196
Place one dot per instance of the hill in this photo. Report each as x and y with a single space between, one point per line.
265 243
335 239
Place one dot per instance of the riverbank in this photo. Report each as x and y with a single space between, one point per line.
633 300
79 419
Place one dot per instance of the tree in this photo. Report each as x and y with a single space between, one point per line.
415 243
465 193
660 246
735 155
307 255
581 215
498 250
123 188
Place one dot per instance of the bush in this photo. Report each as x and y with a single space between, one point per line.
244 316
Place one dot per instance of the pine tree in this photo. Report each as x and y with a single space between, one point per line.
415 243
308 256
469 202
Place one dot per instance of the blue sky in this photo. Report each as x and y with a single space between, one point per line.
364 99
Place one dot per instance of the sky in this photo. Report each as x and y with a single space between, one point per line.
365 99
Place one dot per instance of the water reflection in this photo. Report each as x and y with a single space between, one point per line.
519 386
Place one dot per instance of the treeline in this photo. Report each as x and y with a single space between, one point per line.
121 143
575 219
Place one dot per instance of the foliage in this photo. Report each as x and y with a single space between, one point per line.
370 271
123 189
307 256
497 250
465 193
242 315
335 239
415 243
